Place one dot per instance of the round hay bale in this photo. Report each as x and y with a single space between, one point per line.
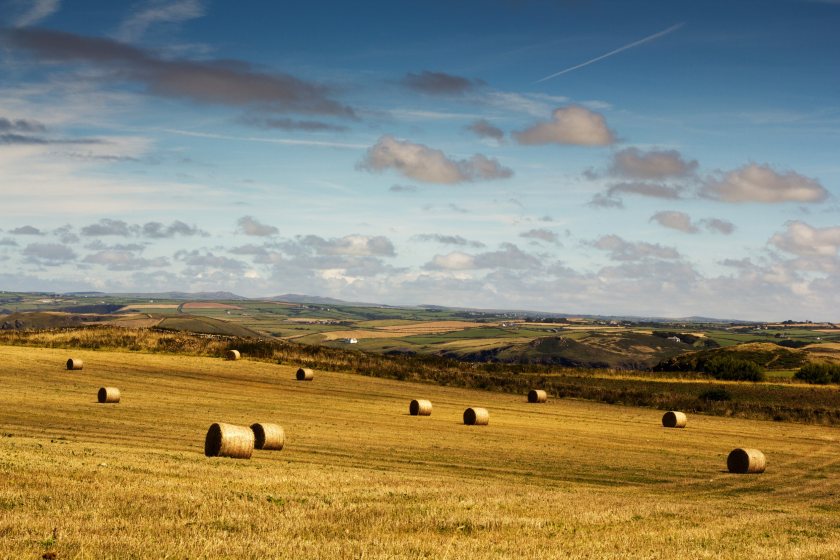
420 407
674 419
746 461
537 396
228 440
75 363
108 395
233 355
269 436
476 417
305 374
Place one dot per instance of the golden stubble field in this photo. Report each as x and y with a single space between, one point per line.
360 478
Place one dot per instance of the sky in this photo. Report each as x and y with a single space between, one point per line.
653 158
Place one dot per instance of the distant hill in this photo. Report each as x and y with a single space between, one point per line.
204 296
318 300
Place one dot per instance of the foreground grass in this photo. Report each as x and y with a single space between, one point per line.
362 479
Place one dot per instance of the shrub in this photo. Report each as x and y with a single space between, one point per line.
819 374
733 369
718 394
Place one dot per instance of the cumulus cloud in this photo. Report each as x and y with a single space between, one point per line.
119 260
422 163
157 11
455 260
154 230
439 83
448 240
349 245
622 250
65 234
681 221
484 129
716 225
35 11
541 234
652 165
157 230
251 226
573 125
50 254
207 259
107 226
26 230
672 219
509 256
225 82
761 183
653 190
804 240
98 245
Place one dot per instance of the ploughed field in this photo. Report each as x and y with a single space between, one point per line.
360 478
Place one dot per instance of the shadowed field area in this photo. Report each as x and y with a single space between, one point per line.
362 478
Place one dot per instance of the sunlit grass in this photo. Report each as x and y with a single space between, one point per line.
361 478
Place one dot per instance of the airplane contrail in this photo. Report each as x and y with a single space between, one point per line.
616 51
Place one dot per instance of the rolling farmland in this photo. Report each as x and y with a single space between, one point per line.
359 477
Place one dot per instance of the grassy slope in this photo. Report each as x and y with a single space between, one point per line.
361 478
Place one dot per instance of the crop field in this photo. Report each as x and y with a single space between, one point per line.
360 478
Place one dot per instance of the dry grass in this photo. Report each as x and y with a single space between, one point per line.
142 306
208 305
361 478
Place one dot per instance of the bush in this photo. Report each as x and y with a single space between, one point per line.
719 394
733 369
819 374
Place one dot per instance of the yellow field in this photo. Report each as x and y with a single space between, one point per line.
362 479
390 330
142 306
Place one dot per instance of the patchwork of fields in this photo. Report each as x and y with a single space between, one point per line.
362 478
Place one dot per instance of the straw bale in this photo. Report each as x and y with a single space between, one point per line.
537 396
476 417
420 407
75 363
268 436
228 440
746 461
305 374
108 395
674 419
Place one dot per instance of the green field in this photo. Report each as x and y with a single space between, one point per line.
362 479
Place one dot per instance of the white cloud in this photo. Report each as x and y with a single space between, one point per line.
761 183
804 240
423 163
622 250
156 11
573 125
655 164
36 11
455 260
675 220
251 226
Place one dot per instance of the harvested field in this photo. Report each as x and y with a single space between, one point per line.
361 478
144 306
208 305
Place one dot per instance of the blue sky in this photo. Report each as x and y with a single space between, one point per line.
414 152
